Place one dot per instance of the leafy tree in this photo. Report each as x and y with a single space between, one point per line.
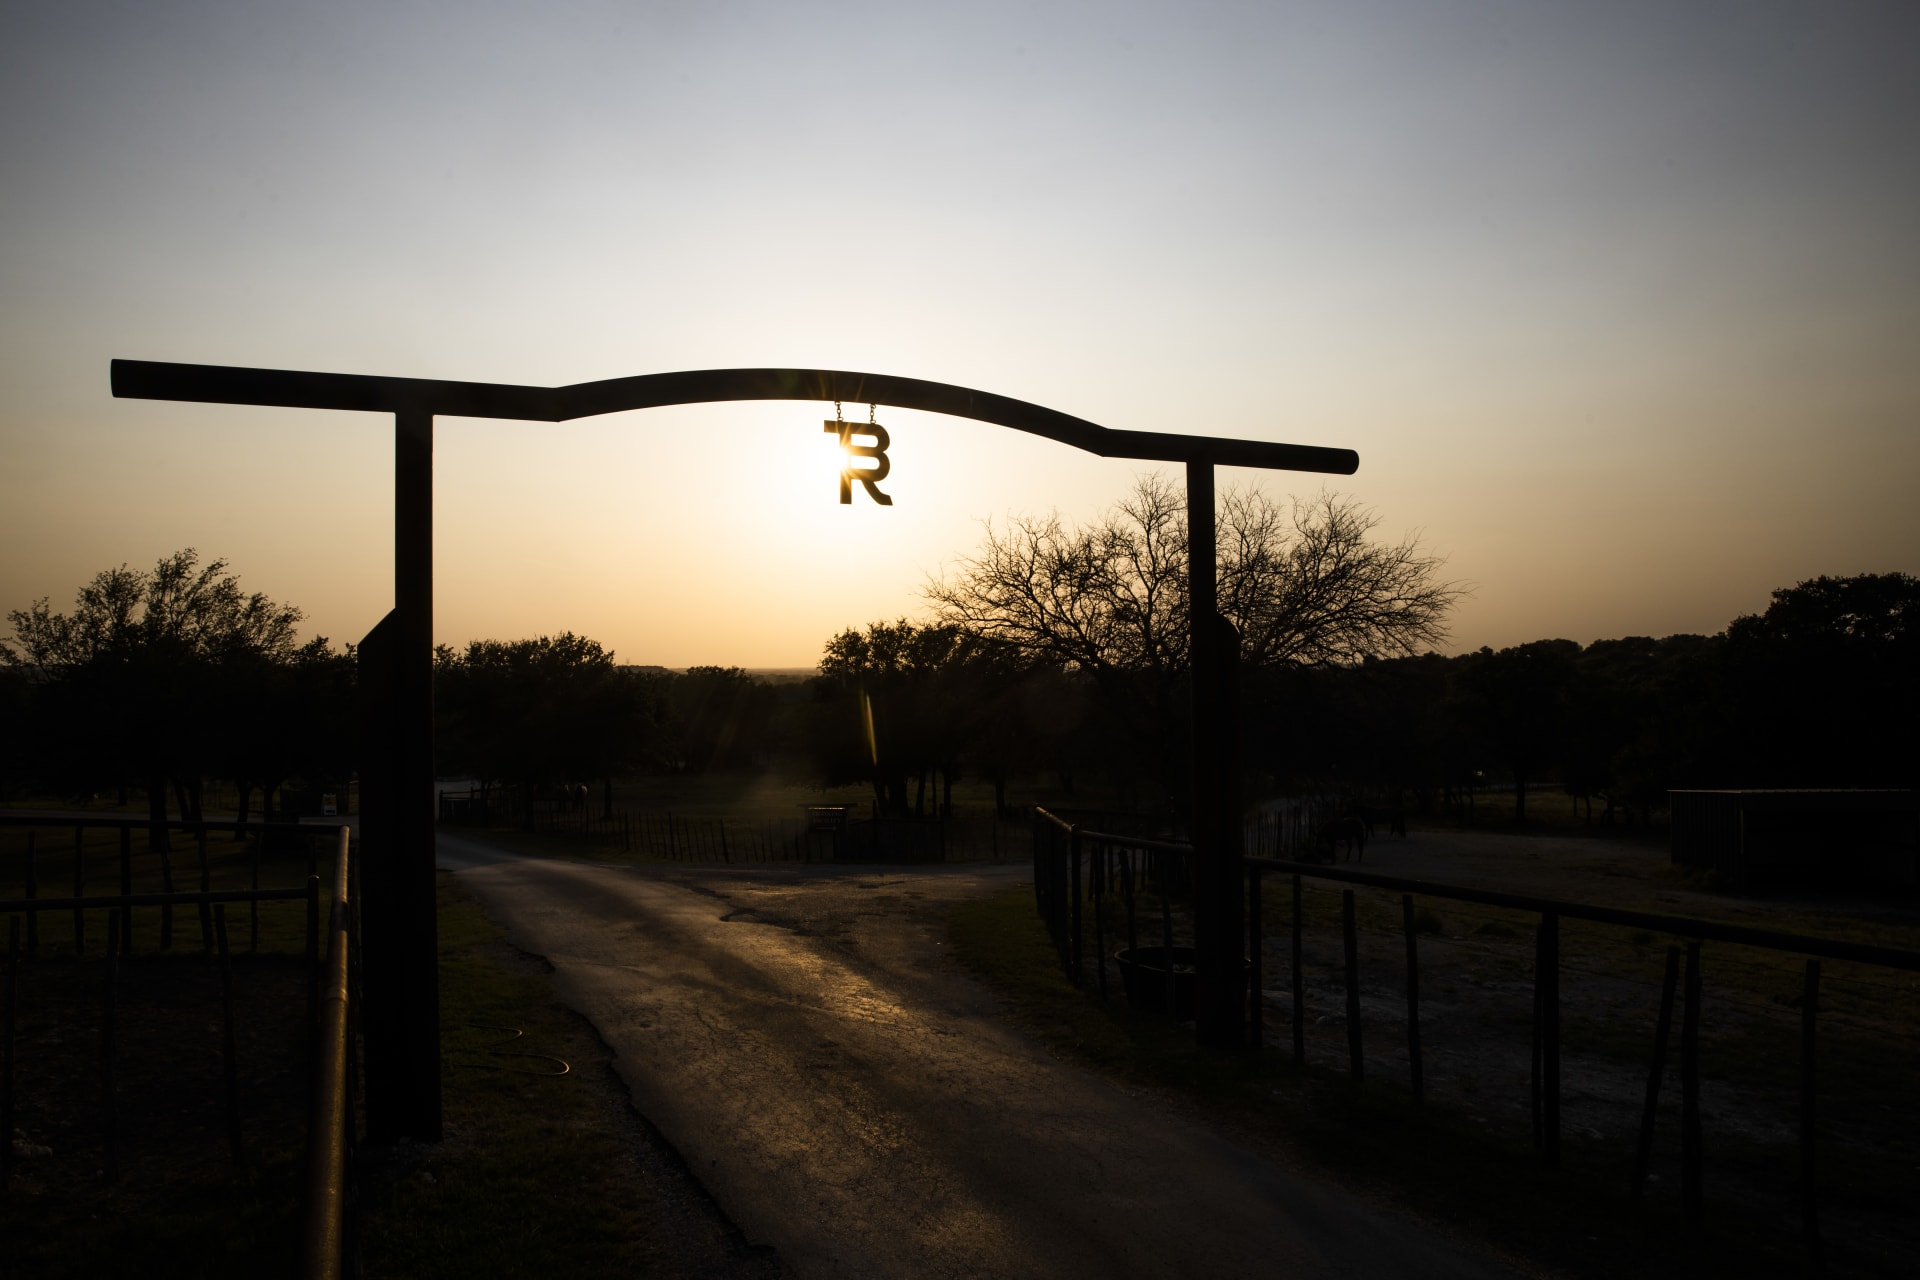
1520 695
905 702
142 678
719 718
1824 684
537 712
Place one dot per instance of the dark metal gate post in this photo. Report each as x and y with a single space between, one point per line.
1218 904
400 942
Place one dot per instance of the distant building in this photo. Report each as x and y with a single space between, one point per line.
1756 839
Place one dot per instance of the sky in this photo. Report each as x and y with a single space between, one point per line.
1619 303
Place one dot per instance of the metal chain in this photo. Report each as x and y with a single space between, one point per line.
870 412
836 412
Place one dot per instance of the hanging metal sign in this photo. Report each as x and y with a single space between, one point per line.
869 477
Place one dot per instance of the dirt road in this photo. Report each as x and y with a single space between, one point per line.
850 1101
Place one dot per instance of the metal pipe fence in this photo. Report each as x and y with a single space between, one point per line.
330 1130
131 991
1598 989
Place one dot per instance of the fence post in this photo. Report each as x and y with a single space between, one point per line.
1690 1089
109 1108
206 886
79 891
1299 984
1166 936
6 1055
228 1052
313 957
1256 1022
166 886
1350 942
33 936
126 889
1546 979
1663 1024
253 907
1099 916
1809 1198
1415 1074
1073 904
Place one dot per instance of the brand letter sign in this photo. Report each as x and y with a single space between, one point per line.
867 476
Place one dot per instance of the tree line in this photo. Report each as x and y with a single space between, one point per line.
1052 657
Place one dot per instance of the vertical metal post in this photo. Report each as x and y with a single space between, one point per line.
229 1050
6 1055
313 958
400 944
1414 1072
1350 942
206 886
1256 1021
109 1093
1299 978
1073 906
1163 861
1663 1024
1099 916
253 883
1220 979
1690 1154
79 890
126 888
33 927
166 886
1809 1197
1547 981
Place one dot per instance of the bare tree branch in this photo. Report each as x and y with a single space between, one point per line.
1302 581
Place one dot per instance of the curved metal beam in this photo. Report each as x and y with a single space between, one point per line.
221 384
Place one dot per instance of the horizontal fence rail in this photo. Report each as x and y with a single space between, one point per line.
1679 926
303 826
1083 875
27 905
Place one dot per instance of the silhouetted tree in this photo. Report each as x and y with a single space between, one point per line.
1520 695
537 712
906 702
142 678
719 718
1824 683
1303 582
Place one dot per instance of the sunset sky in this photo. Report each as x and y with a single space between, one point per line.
1619 303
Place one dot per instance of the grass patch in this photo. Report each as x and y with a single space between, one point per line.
1439 1163
539 1175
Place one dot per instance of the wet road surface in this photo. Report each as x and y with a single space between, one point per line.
850 1101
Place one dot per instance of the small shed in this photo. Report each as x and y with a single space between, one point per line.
1815 837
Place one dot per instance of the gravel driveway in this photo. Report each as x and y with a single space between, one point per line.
852 1101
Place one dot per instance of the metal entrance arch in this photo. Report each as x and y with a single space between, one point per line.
400 942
